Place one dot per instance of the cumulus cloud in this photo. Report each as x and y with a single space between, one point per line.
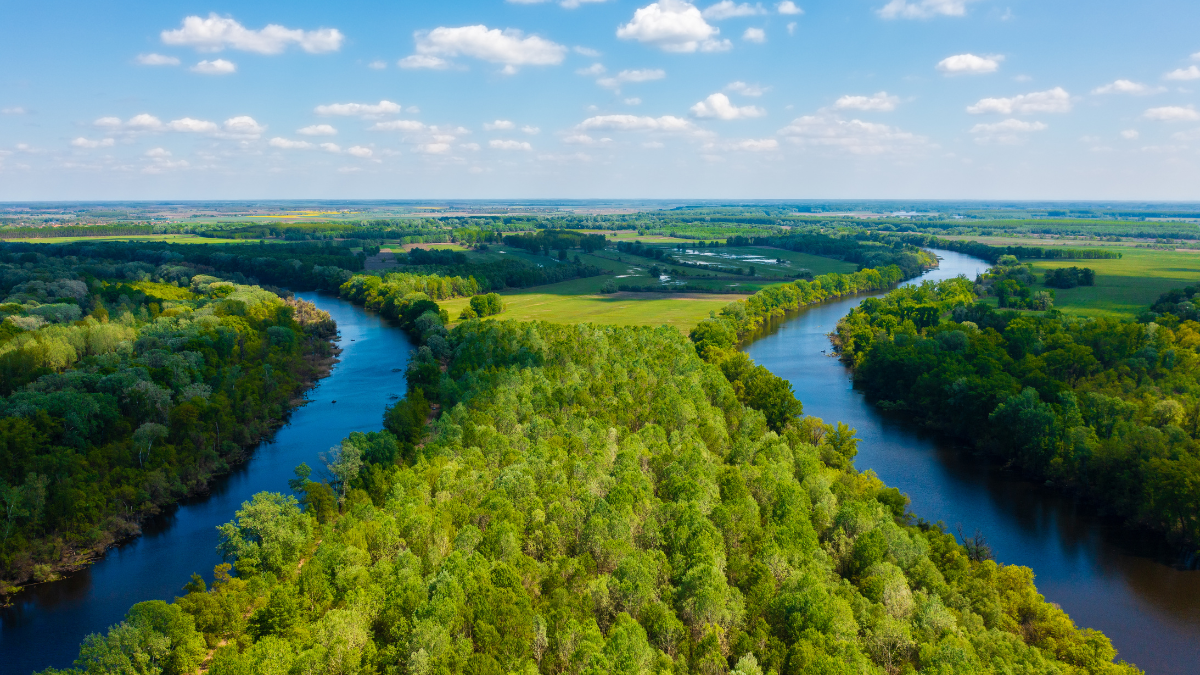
367 110
667 123
330 147
1130 134
141 122
969 64
217 33
377 64
189 125
879 102
728 9
317 130
398 125
592 70
499 125
509 47
923 9
755 35
15 110
1127 87
746 145
215 67
1008 132
359 151
673 26
747 89
433 148
718 106
531 130
854 136
1183 74
509 145
788 7
82 142
287 144
1173 113
625 76
158 152
1055 100
242 126
157 60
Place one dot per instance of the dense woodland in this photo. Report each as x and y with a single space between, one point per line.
125 386
593 500
1107 408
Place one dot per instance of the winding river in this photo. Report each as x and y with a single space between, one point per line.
1088 566
46 623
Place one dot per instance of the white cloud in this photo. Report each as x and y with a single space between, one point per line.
287 144
189 125
747 89
970 64
1055 100
215 67
1127 87
673 26
216 33
317 130
377 64
879 102
791 28
1008 132
923 9
718 105
82 142
510 47
788 7
1130 134
367 110
855 136
568 4
1187 136
633 101
644 75
531 130
509 145
142 122
592 70
1173 113
398 125
1183 74
242 126
157 60
359 151
330 147
586 51
418 61
582 139
158 153
756 145
667 123
434 148
755 35
16 110
499 125
728 9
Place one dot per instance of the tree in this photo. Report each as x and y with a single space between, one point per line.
144 439
343 463
268 535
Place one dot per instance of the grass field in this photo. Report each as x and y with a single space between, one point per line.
172 238
1126 286
579 301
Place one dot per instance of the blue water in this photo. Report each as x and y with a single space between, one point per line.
47 622
1090 567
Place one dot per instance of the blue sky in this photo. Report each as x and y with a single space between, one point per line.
494 99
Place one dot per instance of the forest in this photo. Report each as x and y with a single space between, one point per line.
125 386
1106 408
584 499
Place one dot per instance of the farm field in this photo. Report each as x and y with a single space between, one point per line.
1124 287
172 238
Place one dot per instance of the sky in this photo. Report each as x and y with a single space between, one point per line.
934 99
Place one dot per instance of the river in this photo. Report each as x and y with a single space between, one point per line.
47 622
1089 566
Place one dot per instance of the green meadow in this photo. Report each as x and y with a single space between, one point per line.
1126 286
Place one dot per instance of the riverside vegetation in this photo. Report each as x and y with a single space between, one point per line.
1107 408
125 386
581 499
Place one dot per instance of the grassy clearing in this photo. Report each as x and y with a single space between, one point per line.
578 301
1123 287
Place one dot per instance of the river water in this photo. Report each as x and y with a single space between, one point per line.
1090 567
46 623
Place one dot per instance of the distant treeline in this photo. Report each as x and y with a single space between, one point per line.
992 253
76 231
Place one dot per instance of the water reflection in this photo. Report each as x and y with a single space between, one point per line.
1104 576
